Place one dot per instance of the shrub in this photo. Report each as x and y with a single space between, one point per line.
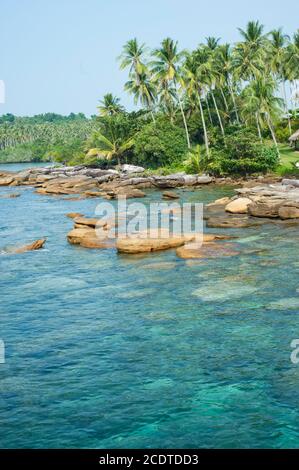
159 144
242 154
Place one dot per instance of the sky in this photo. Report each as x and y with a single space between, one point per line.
61 55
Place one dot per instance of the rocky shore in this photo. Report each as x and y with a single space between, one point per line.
260 204
257 201
129 180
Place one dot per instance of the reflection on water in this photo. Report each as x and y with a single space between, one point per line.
105 350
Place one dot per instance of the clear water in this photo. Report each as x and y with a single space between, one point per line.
104 350
22 166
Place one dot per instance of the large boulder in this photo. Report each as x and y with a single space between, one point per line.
265 208
288 212
142 243
131 169
238 206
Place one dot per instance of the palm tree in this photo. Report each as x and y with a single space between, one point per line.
249 55
132 57
194 89
110 147
143 89
223 68
166 67
110 105
261 93
278 63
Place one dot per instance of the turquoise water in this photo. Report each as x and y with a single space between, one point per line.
107 350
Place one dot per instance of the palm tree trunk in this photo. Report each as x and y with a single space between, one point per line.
153 116
234 100
204 126
224 100
185 122
218 115
209 112
258 127
270 125
286 105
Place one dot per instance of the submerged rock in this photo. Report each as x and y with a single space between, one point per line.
170 195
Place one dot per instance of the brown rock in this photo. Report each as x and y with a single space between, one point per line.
288 212
73 215
6 181
90 222
158 241
232 222
264 208
170 195
238 206
207 250
76 235
37 245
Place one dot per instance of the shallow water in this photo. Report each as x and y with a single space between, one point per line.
107 350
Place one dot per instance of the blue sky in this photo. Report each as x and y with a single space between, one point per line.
60 55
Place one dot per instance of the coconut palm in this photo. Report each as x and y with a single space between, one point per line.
109 148
223 68
166 68
141 86
132 56
278 64
261 94
194 89
110 105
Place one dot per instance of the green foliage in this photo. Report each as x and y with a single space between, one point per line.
242 154
194 162
159 144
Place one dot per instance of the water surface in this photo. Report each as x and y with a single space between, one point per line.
107 350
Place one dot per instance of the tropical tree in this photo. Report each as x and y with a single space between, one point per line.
143 89
110 105
194 88
259 96
166 68
278 64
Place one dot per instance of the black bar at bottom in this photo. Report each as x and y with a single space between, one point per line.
142 458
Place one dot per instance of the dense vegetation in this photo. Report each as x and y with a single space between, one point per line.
220 108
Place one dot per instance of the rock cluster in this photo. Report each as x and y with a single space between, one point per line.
128 180
256 205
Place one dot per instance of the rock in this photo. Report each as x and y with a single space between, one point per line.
93 193
219 202
97 243
76 235
37 245
265 208
190 180
131 169
207 250
232 222
204 179
124 192
289 182
238 206
288 212
171 181
142 243
170 195
90 222
11 195
6 181
73 215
